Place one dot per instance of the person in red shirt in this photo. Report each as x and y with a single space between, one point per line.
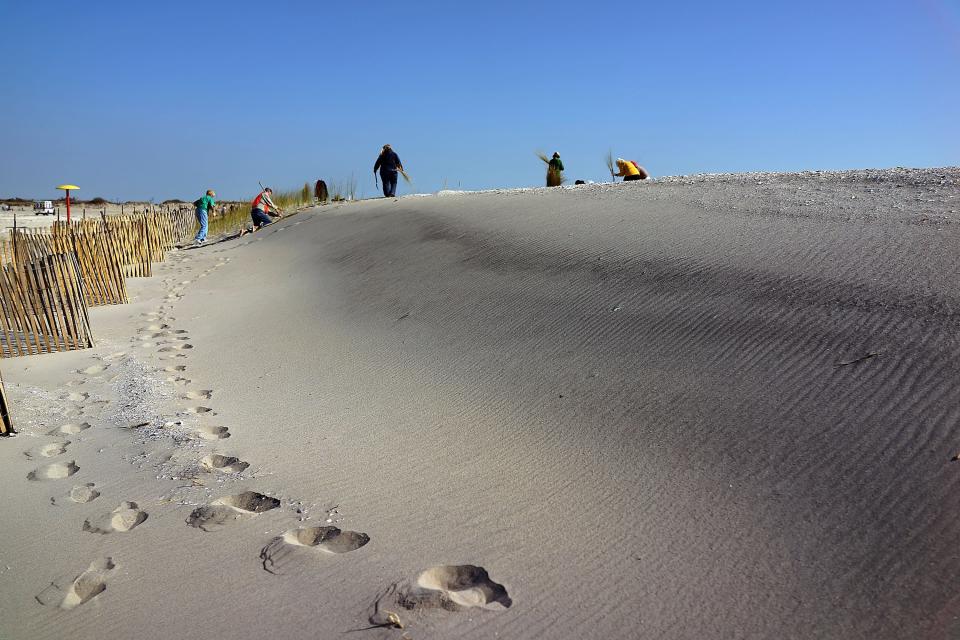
260 211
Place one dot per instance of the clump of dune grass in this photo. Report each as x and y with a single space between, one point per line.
406 178
610 164
351 187
343 190
337 191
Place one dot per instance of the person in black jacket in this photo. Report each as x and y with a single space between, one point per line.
389 164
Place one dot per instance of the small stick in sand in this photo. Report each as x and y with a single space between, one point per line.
858 360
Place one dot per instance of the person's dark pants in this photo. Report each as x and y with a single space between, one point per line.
260 218
389 179
633 177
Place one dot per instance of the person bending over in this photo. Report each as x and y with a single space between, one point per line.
630 170
260 211
204 206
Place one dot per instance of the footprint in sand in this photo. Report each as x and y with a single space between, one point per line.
176 347
213 433
203 394
84 493
94 369
450 587
176 368
225 510
180 381
54 471
72 429
47 450
77 396
329 539
199 410
126 517
223 464
69 593
283 549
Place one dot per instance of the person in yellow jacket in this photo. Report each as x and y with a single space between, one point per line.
630 170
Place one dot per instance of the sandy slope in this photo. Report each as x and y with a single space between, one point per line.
629 404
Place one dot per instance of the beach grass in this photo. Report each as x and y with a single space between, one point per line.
236 215
343 190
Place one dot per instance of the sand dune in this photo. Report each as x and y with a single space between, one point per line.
703 407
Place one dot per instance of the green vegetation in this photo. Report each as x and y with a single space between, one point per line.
230 217
343 190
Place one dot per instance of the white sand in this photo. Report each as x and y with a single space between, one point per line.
601 412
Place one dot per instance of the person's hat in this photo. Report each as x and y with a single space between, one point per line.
556 155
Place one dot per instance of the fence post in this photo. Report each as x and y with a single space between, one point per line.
6 425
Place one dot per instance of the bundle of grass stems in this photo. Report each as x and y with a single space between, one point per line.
406 178
554 177
610 164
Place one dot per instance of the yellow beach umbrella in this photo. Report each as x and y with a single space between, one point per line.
68 188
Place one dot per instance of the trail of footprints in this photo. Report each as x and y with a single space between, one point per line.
169 343
450 587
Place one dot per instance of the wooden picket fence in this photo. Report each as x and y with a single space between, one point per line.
49 277
44 307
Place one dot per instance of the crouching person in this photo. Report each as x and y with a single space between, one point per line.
261 209
630 170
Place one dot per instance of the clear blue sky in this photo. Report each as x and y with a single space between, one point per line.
164 99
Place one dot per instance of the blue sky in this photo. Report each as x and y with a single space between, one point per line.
165 99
